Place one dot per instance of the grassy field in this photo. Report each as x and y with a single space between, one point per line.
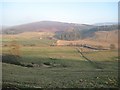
45 66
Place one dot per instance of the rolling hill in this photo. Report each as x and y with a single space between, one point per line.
43 26
107 34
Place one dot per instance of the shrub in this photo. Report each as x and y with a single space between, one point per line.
29 65
112 46
5 45
47 63
100 47
32 45
11 59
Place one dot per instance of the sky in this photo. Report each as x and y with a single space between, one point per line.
15 13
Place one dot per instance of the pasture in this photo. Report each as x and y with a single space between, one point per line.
45 66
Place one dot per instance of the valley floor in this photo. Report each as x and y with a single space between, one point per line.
61 67
34 63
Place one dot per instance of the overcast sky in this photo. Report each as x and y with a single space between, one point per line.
15 13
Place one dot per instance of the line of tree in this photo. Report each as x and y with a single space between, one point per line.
76 33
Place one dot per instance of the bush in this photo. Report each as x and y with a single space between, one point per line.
100 47
32 45
29 65
47 63
5 45
112 46
11 59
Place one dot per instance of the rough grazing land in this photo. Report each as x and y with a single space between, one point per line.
44 66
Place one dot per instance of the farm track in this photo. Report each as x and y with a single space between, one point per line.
93 63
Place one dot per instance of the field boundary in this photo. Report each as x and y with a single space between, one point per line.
87 59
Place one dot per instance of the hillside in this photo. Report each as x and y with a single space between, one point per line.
106 36
76 33
29 35
99 39
92 35
46 26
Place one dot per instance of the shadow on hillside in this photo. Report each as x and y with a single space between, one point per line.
11 59
16 60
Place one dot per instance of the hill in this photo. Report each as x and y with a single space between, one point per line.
101 39
46 26
65 31
76 33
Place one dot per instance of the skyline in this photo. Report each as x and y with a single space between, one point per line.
14 13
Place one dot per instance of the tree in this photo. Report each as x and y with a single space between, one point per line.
112 46
100 47
15 49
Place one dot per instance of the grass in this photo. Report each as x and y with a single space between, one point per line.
29 41
47 51
58 77
105 55
60 67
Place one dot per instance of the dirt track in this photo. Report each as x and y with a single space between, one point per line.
87 59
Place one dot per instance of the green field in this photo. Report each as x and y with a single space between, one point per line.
45 66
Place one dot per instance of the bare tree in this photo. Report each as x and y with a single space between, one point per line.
15 48
112 46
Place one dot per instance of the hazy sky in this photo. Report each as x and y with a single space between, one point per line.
14 13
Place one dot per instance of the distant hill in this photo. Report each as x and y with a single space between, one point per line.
3 27
76 33
106 23
43 26
66 31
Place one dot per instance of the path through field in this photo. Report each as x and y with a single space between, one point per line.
93 63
